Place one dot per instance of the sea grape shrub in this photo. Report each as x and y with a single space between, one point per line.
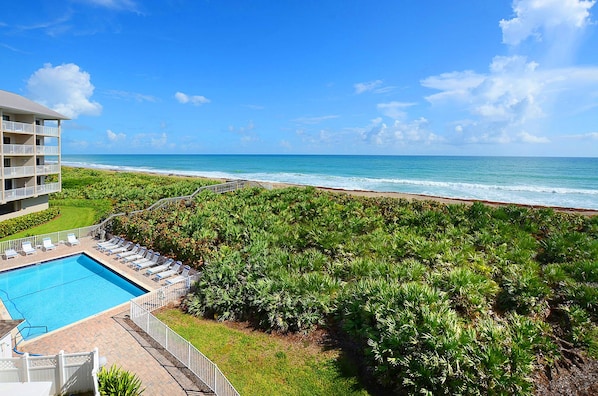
414 343
475 279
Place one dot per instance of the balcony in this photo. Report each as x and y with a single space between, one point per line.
29 149
47 169
18 149
28 192
18 171
22 127
19 127
46 130
14 172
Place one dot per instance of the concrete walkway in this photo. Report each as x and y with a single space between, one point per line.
110 332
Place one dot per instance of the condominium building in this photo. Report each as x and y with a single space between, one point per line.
30 154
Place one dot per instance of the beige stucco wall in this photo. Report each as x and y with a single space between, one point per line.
29 205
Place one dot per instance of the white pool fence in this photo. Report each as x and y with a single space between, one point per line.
69 373
181 349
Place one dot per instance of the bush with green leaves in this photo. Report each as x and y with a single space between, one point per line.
118 382
18 224
297 258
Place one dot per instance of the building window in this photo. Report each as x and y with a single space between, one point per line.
7 162
7 184
5 117
6 140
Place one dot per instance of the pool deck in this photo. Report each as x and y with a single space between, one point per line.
108 331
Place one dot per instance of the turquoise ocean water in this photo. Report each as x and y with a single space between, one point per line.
562 182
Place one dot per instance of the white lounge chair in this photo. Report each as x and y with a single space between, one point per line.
171 272
72 240
182 277
10 253
131 252
146 257
141 254
159 268
48 245
119 249
27 248
118 243
106 243
148 263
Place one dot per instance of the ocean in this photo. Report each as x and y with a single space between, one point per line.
559 182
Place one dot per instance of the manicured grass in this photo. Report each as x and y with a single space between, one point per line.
70 217
259 364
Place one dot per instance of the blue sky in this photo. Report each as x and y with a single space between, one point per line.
393 77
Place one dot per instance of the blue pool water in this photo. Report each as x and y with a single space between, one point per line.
61 292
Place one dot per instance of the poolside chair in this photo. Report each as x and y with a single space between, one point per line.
72 240
148 263
48 245
171 272
10 253
139 255
120 241
27 248
106 243
145 257
182 277
159 268
119 249
131 252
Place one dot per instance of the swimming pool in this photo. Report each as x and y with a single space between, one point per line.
56 293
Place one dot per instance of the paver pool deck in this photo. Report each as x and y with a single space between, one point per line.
108 331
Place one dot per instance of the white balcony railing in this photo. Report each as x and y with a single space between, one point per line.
46 130
24 171
46 150
20 127
23 149
18 171
27 192
47 169
47 188
19 193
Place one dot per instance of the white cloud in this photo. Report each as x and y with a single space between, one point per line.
529 138
196 100
65 88
399 133
127 5
536 17
372 86
394 110
115 137
366 86
314 120
138 97
152 140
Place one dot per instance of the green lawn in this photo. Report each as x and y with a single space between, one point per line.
70 217
261 364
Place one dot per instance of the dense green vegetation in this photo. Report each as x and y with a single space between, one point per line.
27 222
124 191
278 366
90 195
436 299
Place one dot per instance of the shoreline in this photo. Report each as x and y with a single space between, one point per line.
369 193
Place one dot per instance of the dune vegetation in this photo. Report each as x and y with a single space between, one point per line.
431 298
